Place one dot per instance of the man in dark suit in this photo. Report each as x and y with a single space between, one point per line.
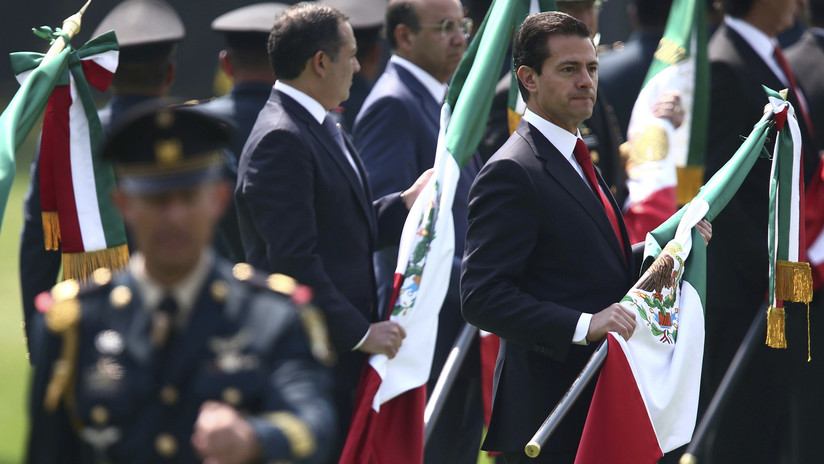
742 59
303 198
145 73
545 262
396 133
246 62
183 357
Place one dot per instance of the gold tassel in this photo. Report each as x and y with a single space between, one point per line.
776 336
51 230
62 381
809 350
513 119
793 281
690 181
80 266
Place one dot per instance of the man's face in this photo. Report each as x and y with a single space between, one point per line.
340 71
172 229
435 52
586 12
564 92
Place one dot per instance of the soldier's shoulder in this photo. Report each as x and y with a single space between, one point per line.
300 297
62 305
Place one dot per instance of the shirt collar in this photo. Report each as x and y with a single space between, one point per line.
436 88
757 39
562 139
310 104
185 292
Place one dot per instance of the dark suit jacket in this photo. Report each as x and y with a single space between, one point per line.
247 341
39 267
302 212
806 59
539 252
397 134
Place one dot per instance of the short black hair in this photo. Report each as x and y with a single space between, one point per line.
531 44
400 12
299 33
737 8
816 12
653 13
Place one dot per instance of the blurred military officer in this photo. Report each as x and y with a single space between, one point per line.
366 18
182 357
246 61
147 31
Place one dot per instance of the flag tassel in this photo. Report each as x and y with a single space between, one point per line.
51 230
793 281
776 327
81 265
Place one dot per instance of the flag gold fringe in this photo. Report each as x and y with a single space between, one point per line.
51 230
80 266
776 327
690 181
793 281
513 119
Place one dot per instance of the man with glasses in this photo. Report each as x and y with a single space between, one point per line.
396 133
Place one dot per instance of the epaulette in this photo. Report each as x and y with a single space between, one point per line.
61 306
193 102
314 322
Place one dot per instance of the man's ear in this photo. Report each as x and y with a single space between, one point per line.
226 63
223 195
528 78
403 37
121 202
318 63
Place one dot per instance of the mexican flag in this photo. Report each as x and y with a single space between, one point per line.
387 425
75 184
646 399
665 164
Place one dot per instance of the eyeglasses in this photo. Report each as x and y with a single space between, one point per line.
448 26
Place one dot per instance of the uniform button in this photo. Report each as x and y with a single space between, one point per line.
99 415
166 445
168 395
232 396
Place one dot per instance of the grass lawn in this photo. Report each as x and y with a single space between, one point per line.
14 368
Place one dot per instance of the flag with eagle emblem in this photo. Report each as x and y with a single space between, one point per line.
647 392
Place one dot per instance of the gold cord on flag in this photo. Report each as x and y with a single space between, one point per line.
793 281
80 266
776 327
51 230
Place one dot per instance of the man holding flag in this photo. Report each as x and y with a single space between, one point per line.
547 254
303 198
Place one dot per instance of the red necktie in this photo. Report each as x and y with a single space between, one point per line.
802 104
582 157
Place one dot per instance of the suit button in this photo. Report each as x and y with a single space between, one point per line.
99 415
166 445
232 396
168 395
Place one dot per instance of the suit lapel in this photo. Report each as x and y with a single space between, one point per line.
431 106
331 150
557 167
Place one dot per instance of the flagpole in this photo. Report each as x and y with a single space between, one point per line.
446 379
71 26
593 366
754 337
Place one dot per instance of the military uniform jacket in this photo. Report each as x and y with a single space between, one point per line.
125 402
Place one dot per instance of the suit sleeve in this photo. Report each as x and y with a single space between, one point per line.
278 194
503 230
299 423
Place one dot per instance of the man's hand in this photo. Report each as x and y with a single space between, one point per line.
222 436
384 338
705 228
668 106
411 194
614 318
